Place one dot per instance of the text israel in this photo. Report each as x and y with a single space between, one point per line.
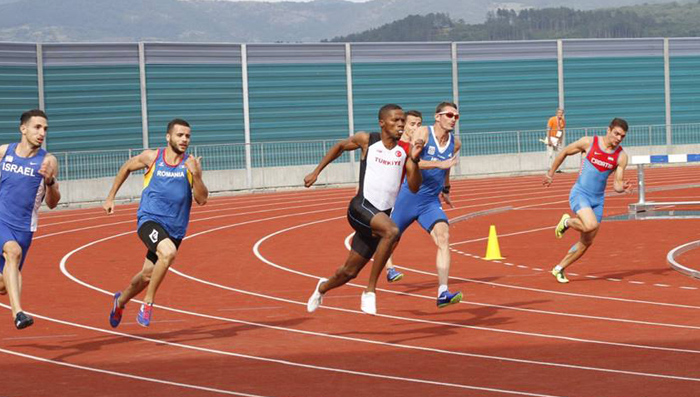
18 169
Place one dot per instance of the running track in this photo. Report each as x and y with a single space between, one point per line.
231 317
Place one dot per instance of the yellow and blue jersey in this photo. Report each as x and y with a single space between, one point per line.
167 196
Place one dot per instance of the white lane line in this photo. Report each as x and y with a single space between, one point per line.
70 276
40 337
125 375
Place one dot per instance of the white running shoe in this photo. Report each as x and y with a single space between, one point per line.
316 298
368 302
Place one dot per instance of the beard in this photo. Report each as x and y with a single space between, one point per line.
176 148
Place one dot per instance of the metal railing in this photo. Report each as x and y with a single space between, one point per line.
106 163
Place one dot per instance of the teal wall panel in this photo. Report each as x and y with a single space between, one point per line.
507 95
685 89
93 107
209 97
412 85
19 92
291 102
600 89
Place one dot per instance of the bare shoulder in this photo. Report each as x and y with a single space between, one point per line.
148 155
3 149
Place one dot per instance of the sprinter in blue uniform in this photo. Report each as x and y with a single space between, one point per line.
172 179
27 178
603 156
439 155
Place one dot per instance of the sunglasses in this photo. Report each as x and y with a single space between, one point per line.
451 115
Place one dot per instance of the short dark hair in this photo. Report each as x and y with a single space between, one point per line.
175 122
414 113
443 105
617 122
26 116
388 108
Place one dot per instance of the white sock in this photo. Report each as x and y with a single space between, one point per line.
442 288
566 222
558 268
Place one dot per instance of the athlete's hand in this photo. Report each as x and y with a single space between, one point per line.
108 206
449 163
626 187
417 148
47 170
310 179
547 179
446 199
194 166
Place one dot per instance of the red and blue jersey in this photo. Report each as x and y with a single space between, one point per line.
22 189
167 195
596 167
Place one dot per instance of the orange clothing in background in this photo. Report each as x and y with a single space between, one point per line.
554 126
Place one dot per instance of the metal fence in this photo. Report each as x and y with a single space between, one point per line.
98 164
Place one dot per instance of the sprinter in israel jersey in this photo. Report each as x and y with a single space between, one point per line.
437 158
603 157
172 179
384 163
27 178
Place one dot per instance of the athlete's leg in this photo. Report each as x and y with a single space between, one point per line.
586 223
166 251
388 233
12 252
350 269
441 237
138 283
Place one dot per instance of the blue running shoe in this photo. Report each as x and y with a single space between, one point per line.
393 275
446 299
115 316
145 315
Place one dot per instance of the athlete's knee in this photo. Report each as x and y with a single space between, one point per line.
13 254
166 253
347 273
442 239
590 227
392 233
3 290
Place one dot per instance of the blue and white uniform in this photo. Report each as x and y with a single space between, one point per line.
167 196
22 190
424 205
589 189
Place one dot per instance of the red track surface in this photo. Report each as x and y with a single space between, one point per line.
230 321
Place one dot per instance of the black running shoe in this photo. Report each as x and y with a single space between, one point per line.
23 320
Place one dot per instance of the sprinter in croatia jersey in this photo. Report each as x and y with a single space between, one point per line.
385 162
27 178
603 157
172 179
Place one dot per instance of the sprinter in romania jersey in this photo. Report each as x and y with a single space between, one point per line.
172 178
27 178
603 157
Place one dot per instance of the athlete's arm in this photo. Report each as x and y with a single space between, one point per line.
445 193
619 184
138 162
3 150
358 140
49 170
413 174
577 147
199 189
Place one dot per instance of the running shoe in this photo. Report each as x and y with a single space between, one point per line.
23 320
561 227
446 298
393 275
145 315
115 316
559 275
368 302
316 298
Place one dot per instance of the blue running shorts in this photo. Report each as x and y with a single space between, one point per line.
24 239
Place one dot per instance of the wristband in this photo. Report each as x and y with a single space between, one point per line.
446 189
415 161
49 184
